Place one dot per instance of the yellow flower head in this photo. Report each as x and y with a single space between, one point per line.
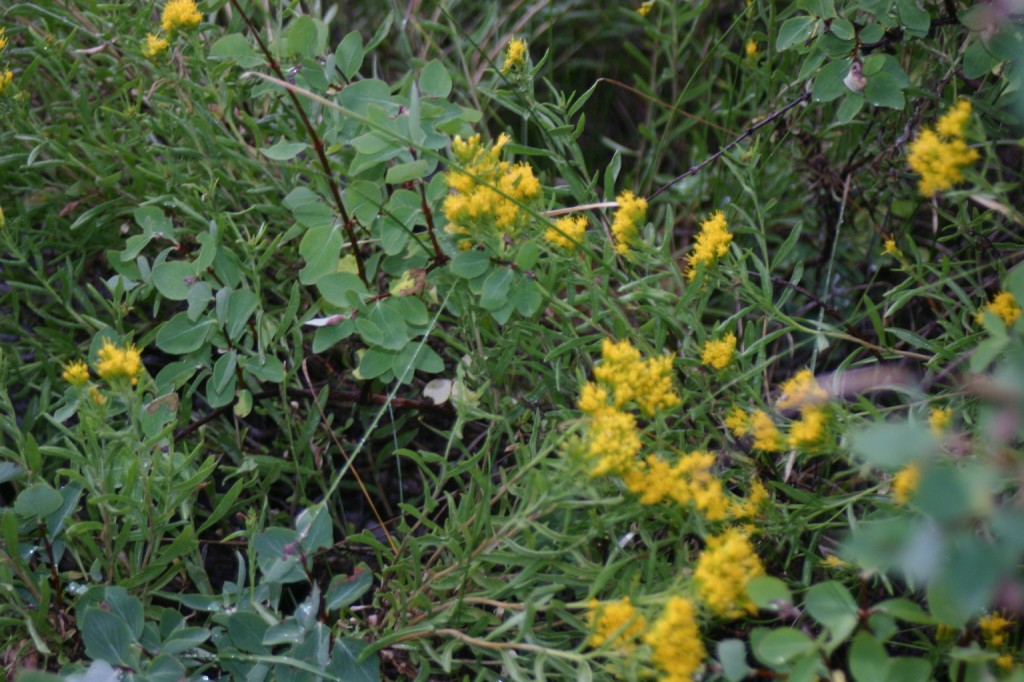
749 507
712 243
767 436
718 354
97 397
738 422
6 77
939 155
802 389
3 39
630 217
904 483
939 419
690 481
515 55
676 645
180 14
1004 305
647 383
76 373
612 441
119 363
833 561
891 249
155 46
810 432
751 49
993 627
953 123
723 570
567 232
615 624
645 8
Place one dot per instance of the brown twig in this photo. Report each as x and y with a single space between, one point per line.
318 146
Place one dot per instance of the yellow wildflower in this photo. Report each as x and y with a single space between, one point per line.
645 8
612 441
490 193
1004 305
712 243
954 122
723 570
648 383
767 437
119 363
689 481
515 55
614 623
939 155
76 373
809 432
891 249
1005 661
833 561
567 232
749 507
677 649
939 419
718 354
180 14
3 39
592 398
751 49
3 220
6 77
97 397
155 46
992 627
904 483
632 214
802 389
738 421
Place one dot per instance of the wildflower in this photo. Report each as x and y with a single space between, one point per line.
890 248
940 155
689 481
515 55
645 8
992 628
738 422
904 483
677 649
648 383
749 507
809 433
180 14
119 363
614 623
76 373
767 436
718 354
1005 661
833 561
723 570
97 397
3 39
592 398
567 232
628 219
155 46
751 49
1004 305
712 243
939 419
612 441
490 193
802 389
3 220
6 77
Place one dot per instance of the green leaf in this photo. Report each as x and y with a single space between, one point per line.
883 90
314 528
9 471
342 289
246 630
829 85
470 264
914 19
404 172
868 660
345 663
782 645
892 446
37 501
349 55
127 608
165 668
768 593
173 279
346 589
284 151
241 306
795 30
106 637
905 610
427 360
494 294
302 37
872 33
849 107
831 605
434 80
842 29
527 297
907 669
732 654
978 61
375 363
320 247
220 388
307 208
180 335
235 47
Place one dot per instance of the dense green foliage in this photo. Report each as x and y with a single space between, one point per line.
511 340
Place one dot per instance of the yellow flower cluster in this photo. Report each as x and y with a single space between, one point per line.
904 483
3 39
689 481
180 14
615 624
567 232
758 425
647 383
6 75
939 419
489 193
155 46
676 645
751 49
712 243
645 8
940 155
612 441
723 570
801 390
889 248
119 363
515 55
993 627
76 373
809 433
1004 305
718 354
629 218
